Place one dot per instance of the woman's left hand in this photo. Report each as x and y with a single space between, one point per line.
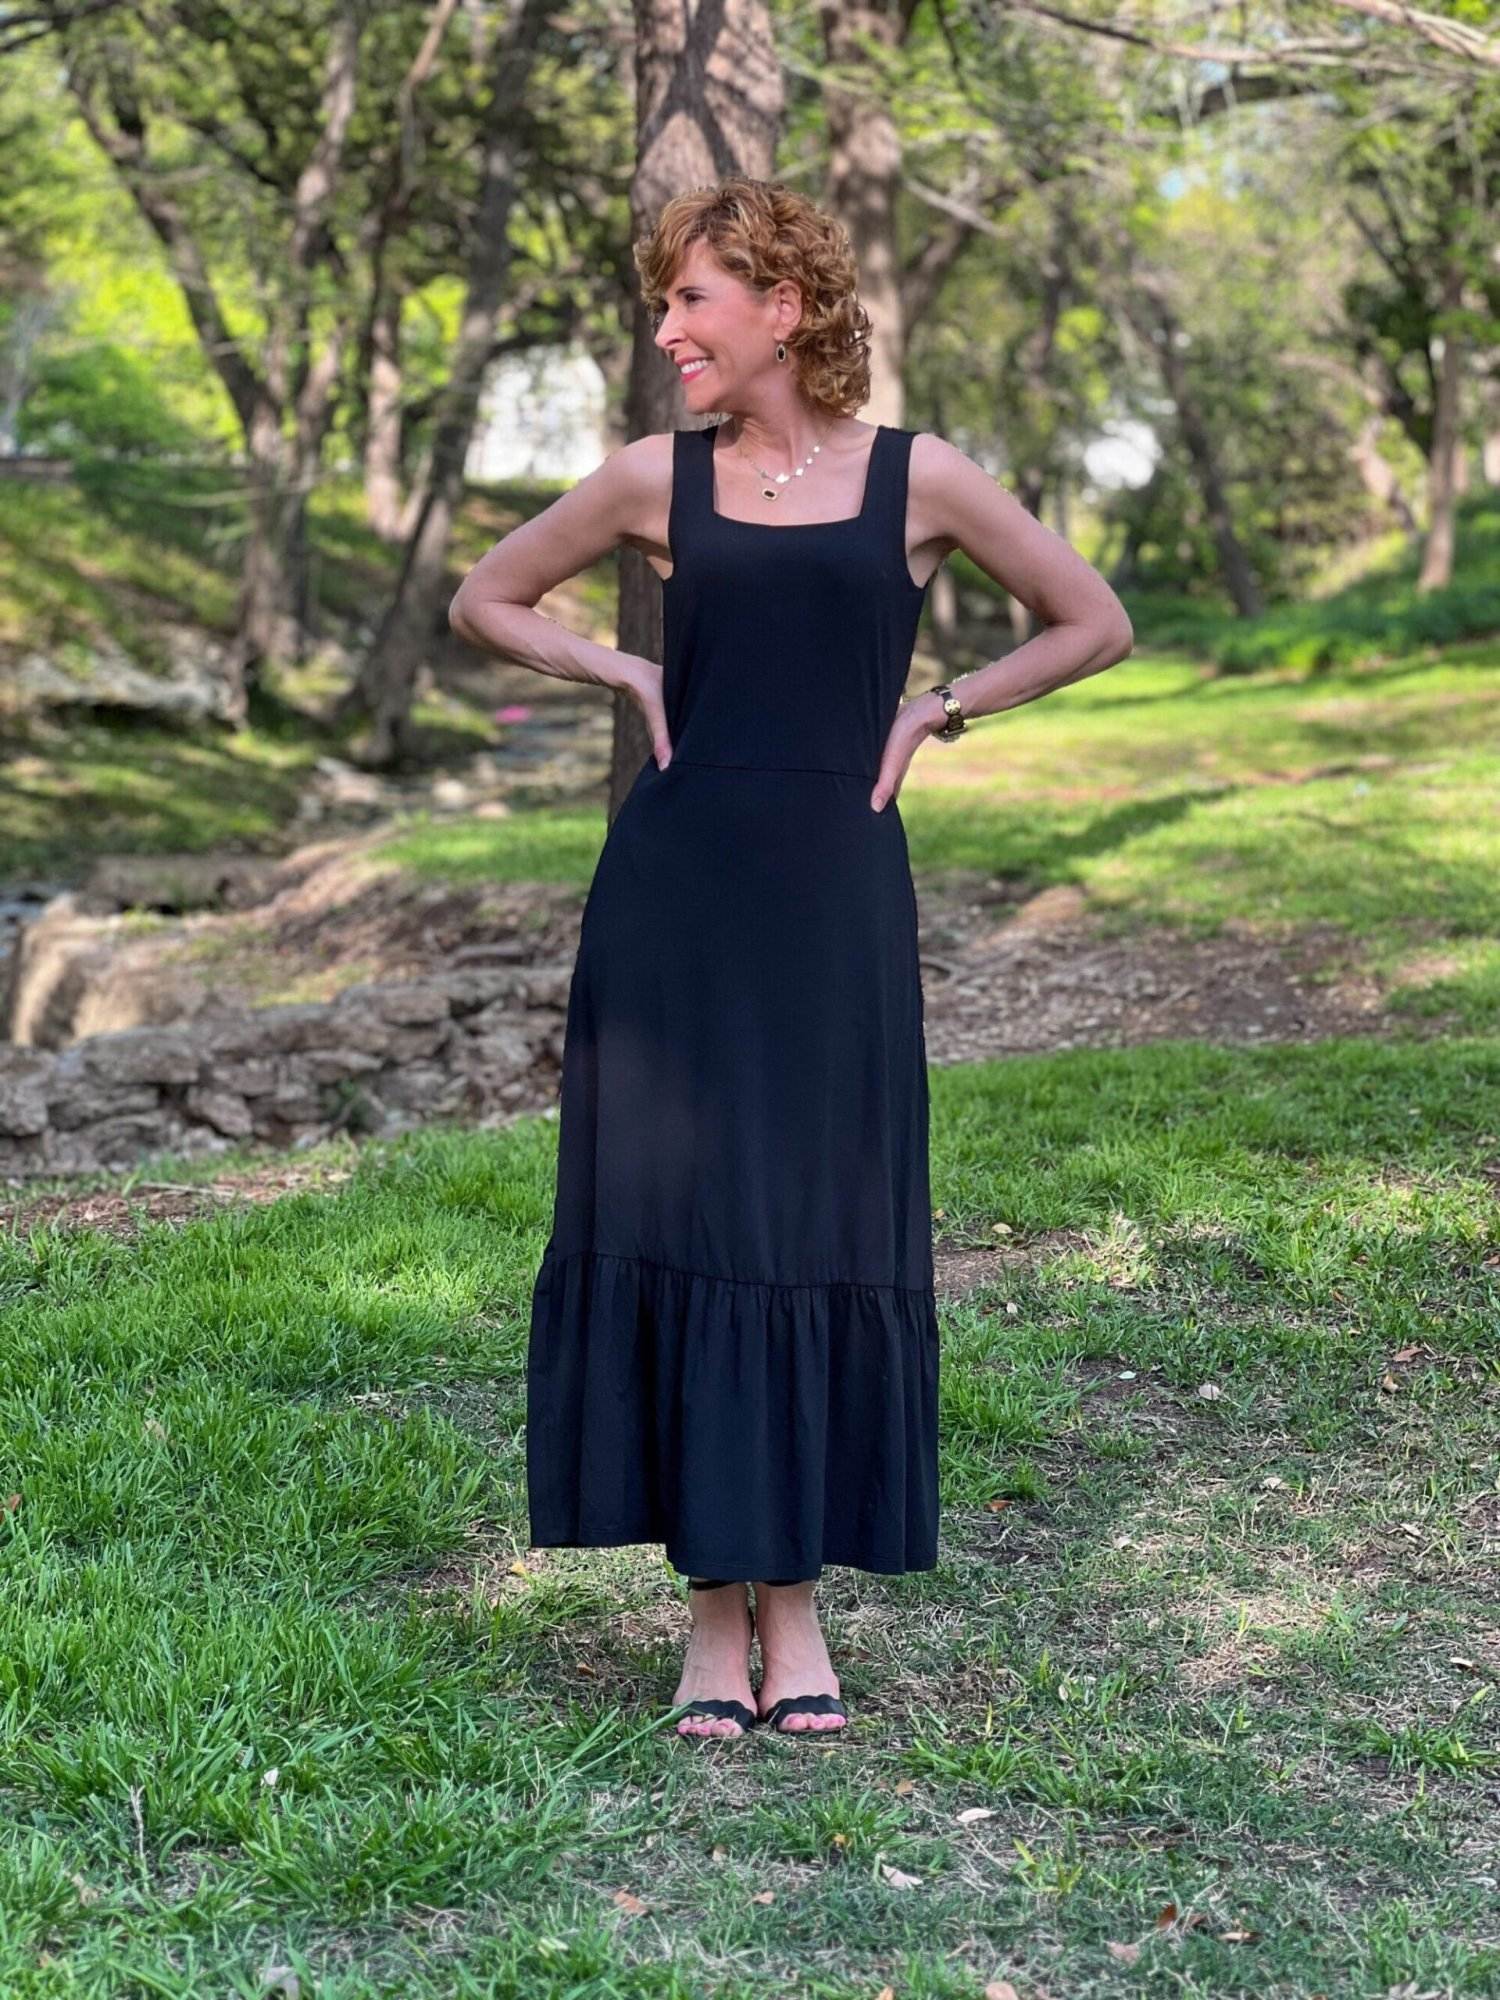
914 723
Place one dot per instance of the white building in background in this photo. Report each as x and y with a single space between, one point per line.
1125 455
541 416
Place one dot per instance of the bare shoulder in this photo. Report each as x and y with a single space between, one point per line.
933 468
936 465
957 504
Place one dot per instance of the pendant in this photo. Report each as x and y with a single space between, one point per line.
769 493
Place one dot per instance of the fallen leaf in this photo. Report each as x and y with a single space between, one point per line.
995 1506
631 1905
1458 1660
518 1568
1406 1354
898 1879
765 1896
903 1786
1237 1937
1209 1392
1389 1382
1127 1954
1000 1989
11 1502
718 1853
583 1667
1166 1916
971 1813
1001 1229
1273 1483
841 1840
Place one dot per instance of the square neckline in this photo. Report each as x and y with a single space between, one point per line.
788 527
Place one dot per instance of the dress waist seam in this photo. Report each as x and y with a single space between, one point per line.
810 770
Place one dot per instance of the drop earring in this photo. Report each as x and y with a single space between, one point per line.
781 350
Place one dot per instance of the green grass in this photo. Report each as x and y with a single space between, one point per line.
1369 609
273 1689
1364 800
92 788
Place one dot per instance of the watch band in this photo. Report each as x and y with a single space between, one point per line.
956 724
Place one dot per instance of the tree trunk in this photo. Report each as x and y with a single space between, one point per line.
706 106
1160 328
383 689
284 405
864 176
1442 481
1379 475
382 450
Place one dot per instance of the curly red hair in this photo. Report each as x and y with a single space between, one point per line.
763 231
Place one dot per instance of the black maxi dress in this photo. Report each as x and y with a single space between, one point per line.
734 1342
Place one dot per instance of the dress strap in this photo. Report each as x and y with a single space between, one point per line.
885 502
692 488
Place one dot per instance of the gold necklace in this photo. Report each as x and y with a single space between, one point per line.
776 479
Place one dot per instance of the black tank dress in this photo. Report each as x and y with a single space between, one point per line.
734 1343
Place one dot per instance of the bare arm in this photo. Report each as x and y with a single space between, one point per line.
493 607
1085 627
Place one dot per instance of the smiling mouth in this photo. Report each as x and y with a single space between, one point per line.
692 368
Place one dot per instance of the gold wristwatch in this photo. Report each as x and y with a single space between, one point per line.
955 725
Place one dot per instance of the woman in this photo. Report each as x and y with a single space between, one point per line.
734 1343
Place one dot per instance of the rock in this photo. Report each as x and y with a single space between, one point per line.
547 985
335 1065
74 973
359 1029
503 1052
291 1027
253 1078
408 1045
410 1005
425 1089
23 1093
341 784
195 687
221 1109
80 1106
145 1055
178 882
120 1142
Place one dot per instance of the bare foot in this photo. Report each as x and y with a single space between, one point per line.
793 1653
716 1666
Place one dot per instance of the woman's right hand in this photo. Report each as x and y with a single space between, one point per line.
642 680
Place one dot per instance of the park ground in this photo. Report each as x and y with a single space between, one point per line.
1203 1696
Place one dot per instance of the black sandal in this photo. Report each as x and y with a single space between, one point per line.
804 1704
736 1711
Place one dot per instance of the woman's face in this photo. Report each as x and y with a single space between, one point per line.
713 319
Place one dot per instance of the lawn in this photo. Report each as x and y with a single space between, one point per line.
1202 1696
1362 798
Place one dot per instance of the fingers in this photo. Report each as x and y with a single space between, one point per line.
887 785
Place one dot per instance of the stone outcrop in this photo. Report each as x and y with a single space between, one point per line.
479 1044
188 683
